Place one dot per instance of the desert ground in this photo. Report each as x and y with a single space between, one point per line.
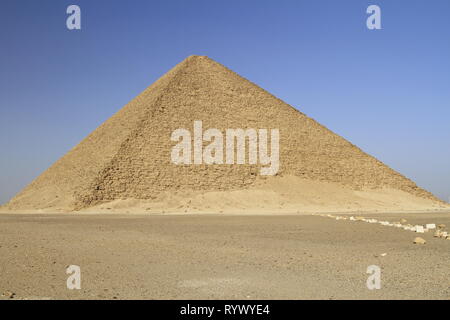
220 257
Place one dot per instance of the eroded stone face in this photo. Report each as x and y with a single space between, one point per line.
231 147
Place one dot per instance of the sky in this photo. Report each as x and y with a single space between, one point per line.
386 91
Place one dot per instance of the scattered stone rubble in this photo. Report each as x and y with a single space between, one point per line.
439 233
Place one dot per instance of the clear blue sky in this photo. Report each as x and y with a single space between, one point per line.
387 91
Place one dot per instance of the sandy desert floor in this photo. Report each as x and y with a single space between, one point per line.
219 257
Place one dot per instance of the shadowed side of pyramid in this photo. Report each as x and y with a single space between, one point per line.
129 156
74 172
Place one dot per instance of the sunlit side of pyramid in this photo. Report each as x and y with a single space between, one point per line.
128 157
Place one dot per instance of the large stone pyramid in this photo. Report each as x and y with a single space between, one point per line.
128 156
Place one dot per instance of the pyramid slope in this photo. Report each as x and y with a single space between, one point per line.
128 157
72 174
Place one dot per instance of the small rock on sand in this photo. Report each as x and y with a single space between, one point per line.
403 221
419 240
9 294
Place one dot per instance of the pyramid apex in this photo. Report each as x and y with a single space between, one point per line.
195 57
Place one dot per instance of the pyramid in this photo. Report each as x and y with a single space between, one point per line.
128 156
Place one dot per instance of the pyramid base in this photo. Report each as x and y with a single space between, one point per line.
281 195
